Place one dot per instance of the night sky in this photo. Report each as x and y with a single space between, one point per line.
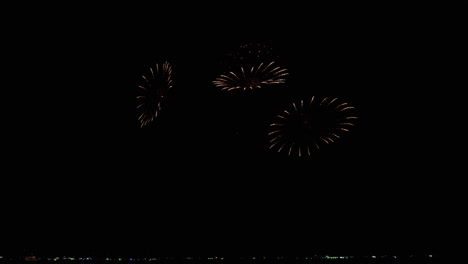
200 179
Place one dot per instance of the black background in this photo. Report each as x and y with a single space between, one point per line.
81 176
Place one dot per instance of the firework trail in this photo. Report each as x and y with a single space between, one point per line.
156 84
255 77
251 66
308 125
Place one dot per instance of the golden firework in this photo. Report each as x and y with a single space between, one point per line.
307 125
156 83
254 77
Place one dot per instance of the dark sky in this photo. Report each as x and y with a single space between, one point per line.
88 179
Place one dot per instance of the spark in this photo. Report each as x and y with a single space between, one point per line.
308 126
257 77
156 85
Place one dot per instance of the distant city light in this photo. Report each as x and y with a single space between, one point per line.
211 259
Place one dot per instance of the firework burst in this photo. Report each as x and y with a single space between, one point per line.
156 83
251 53
307 125
249 66
253 77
